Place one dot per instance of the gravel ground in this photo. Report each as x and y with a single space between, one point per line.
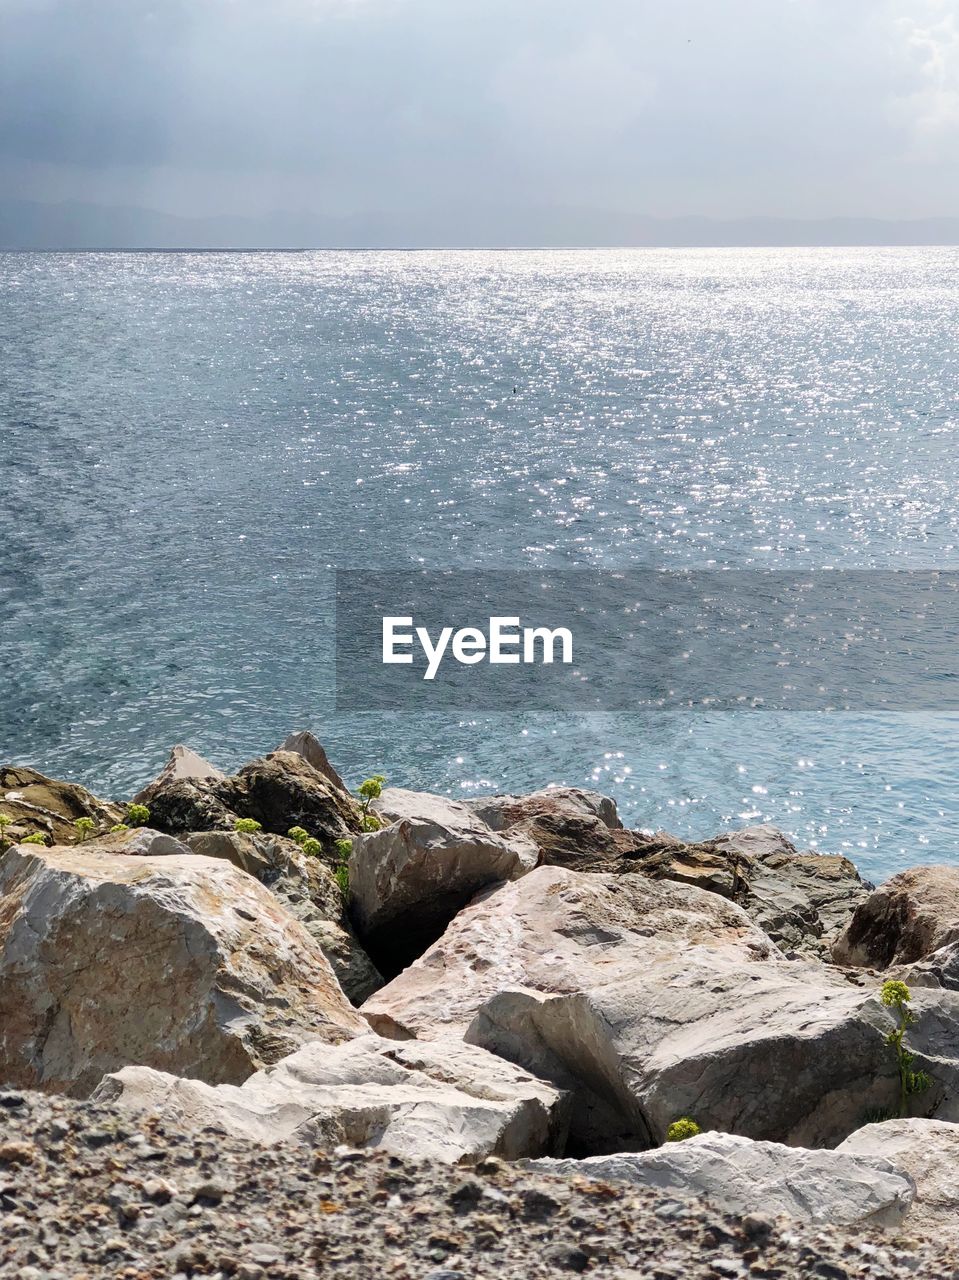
85 1192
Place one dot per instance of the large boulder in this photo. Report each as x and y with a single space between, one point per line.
740 1176
443 1101
308 889
652 1000
41 805
181 963
280 791
410 878
928 1151
904 920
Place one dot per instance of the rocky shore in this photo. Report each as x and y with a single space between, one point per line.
261 1025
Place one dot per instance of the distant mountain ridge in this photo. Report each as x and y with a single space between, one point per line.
71 225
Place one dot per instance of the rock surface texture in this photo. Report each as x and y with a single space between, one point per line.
409 879
280 791
443 1101
177 962
743 1176
651 1000
904 920
927 1150
36 803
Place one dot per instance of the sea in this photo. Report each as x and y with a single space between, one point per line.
191 443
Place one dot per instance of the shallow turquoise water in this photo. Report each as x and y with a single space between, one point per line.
192 441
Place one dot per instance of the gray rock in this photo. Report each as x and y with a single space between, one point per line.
927 1150
304 744
443 1101
307 888
652 1000
504 811
183 765
409 879
904 920
742 1176
180 962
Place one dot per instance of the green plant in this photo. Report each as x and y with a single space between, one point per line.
681 1129
369 790
5 821
299 834
341 872
896 995
38 837
247 826
138 815
85 829
118 826
311 847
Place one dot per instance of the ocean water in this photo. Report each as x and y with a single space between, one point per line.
192 442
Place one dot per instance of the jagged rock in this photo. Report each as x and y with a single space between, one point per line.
308 890
280 791
741 1176
409 879
304 744
504 811
443 1101
904 920
653 1000
928 1151
180 963
38 804
183 765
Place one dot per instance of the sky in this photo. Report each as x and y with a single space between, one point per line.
716 108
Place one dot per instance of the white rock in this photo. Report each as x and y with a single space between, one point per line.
177 962
443 1101
653 1000
183 765
741 1176
928 1150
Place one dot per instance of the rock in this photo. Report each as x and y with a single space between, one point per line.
144 842
183 765
904 920
280 791
742 1176
928 1151
304 744
504 811
652 1000
38 804
445 1101
409 879
181 963
308 890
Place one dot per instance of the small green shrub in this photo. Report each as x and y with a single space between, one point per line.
138 815
38 837
118 826
311 847
681 1129
5 821
247 826
85 829
896 995
369 790
342 876
343 849
299 834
